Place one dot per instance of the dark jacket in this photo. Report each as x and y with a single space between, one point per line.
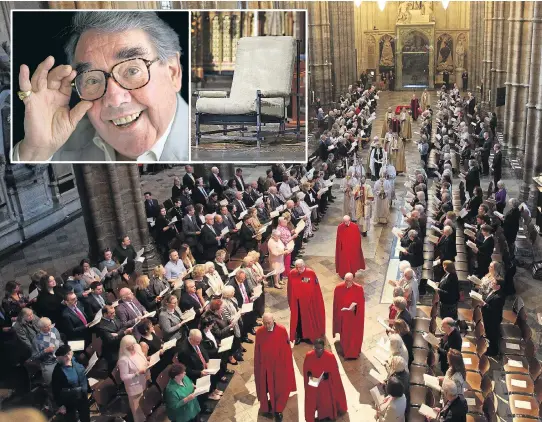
447 248
190 228
73 327
449 289
110 343
188 302
453 341
92 306
215 185
511 225
198 196
65 393
209 243
152 209
189 181
456 411
188 356
238 294
246 238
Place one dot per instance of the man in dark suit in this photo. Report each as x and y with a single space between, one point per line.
96 300
189 179
239 205
186 199
199 194
111 331
74 319
239 181
209 239
451 340
195 358
322 148
485 250
151 206
190 300
228 218
455 407
191 228
254 192
496 165
486 152
273 199
446 245
400 304
492 316
129 310
243 294
248 199
216 183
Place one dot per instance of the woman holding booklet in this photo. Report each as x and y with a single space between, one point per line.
133 369
179 397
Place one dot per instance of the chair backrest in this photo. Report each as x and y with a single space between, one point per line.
526 332
479 330
158 332
481 346
477 314
115 375
163 379
518 304
490 411
538 389
535 368
151 400
97 345
486 385
104 392
263 63
483 364
433 325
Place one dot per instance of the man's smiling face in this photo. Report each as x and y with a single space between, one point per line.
131 121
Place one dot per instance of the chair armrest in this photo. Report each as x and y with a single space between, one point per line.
273 94
212 94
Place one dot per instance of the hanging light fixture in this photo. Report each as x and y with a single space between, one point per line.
445 4
357 3
381 4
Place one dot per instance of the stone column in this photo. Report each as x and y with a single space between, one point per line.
500 54
488 51
533 138
320 62
476 46
112 205
341 15
517 84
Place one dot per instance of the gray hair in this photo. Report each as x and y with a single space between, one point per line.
275 233
449 387
162 37
514 203
43 322
228 291
500 184
412 233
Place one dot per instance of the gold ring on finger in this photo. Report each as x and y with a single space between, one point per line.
24 94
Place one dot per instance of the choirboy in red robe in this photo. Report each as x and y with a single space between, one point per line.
348 252
306 303
349 324
328 398
273 368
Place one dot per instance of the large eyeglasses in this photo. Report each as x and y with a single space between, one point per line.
130 74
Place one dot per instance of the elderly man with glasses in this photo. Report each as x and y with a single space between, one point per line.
125 68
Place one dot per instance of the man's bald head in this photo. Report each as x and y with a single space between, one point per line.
346 220
126 293
268 321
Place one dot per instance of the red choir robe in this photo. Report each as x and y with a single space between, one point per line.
348 253
414 108
306 303
273 368
328 398
349 324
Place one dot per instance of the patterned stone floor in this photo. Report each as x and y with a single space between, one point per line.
67 246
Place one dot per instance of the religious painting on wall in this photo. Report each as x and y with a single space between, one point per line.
415 60
445 53
387 53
